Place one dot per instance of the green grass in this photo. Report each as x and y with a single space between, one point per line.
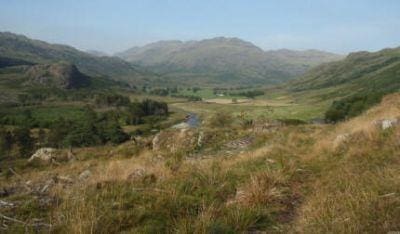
293 111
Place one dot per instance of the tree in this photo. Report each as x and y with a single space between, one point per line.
6 142
24 141
114 134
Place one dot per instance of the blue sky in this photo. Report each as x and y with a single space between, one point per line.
113 25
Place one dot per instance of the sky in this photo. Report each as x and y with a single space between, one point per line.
111 26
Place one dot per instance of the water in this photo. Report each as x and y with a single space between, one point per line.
192 120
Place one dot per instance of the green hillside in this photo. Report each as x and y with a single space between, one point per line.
355 83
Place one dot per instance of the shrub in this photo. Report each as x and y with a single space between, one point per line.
351 106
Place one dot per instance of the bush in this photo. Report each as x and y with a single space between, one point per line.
351 106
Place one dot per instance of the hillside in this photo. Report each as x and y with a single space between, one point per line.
18 47
223 60
351 85
360 71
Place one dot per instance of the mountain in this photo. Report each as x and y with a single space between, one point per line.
60 75
224 60
21 49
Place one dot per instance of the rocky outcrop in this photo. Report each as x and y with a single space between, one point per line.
175 140
60 75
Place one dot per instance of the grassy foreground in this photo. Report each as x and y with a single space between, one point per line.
301 178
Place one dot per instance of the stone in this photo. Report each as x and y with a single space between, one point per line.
386 123
47 185
200 139
44 154
156 142
65 179
85 175
341 138
6 204
137 174
389 123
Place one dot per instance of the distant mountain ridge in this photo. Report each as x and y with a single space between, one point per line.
21 49
224 60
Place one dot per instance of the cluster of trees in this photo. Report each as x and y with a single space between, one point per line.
231 92
248 94
162 91
137 111
21 118
190 98
93 129
352 106
89 129
38 95
101 128
110 99
17 139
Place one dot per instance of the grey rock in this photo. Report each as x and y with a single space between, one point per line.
44 154
85 175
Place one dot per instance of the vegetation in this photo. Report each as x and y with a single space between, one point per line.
351 106
130 160
249 93
295 179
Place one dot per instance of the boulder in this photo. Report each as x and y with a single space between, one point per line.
85 175
137 174
386 123
47 155
340 139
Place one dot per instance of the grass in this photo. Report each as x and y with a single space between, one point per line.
285 111
293 179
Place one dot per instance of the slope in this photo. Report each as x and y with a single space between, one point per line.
224 61
354 84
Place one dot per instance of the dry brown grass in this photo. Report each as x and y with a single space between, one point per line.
358 187
298 180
